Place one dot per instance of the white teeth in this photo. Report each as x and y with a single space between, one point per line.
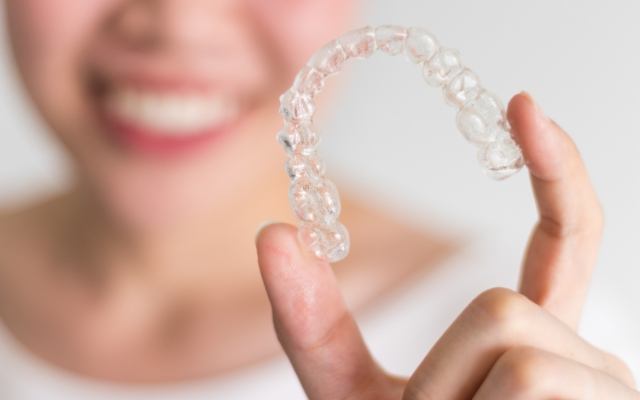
170 114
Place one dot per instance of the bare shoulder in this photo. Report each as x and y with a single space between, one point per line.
25 240
388 250
13 226
12 221
22 232
15 220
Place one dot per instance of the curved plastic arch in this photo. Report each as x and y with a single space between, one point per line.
480 118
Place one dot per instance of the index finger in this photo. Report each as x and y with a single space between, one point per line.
564 244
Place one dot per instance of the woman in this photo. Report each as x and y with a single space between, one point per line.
144 272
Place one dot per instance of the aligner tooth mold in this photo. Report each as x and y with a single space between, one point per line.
480 118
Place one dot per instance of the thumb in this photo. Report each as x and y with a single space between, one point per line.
312 322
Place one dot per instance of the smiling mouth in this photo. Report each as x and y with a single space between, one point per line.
165 116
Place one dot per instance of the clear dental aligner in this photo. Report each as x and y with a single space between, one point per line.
480 118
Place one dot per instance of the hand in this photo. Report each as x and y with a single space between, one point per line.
504 345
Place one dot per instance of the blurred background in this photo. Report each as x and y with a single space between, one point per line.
390 136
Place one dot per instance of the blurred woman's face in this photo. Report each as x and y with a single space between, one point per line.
167 106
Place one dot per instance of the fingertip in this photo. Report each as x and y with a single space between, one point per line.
274 235
277 246
540 139
523 104
526 117
285 267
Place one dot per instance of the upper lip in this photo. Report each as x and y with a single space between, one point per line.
165 83
161 70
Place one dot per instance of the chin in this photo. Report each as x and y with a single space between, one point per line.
145 207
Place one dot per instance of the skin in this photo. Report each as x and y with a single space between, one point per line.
505 344
145 269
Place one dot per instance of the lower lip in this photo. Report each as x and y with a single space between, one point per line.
142 139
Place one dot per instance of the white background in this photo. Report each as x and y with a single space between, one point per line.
391 136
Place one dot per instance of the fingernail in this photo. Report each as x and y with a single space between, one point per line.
261 226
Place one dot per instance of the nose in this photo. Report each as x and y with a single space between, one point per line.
179 24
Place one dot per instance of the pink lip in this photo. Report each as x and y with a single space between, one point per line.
141 139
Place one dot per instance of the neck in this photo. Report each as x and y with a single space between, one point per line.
214 247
